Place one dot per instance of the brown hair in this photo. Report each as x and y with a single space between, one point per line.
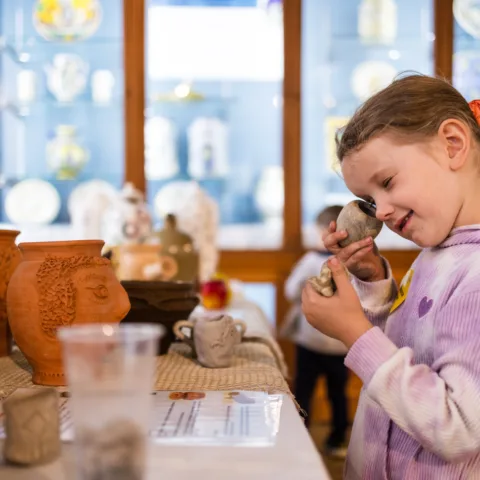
327 215
412 106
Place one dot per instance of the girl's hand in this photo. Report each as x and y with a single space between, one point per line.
361 258
340 316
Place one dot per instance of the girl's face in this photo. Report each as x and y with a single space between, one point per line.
416 193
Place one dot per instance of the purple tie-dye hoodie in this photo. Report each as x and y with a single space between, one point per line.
418 416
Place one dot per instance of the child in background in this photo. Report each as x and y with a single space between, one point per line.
316 353
412 150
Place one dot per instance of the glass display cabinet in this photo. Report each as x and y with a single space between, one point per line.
62 102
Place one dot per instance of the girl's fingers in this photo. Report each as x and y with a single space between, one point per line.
331 240
349 251
358 255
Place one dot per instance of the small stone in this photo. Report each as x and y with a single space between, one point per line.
32 426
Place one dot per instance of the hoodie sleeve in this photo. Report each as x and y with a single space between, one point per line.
377 297
438 406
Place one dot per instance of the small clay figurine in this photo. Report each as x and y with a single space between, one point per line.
359 220
32 426
323 282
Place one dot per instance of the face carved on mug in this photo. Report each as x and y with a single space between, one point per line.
70 288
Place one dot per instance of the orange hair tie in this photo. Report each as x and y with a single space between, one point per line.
475 108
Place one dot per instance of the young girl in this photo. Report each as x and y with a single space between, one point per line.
413 150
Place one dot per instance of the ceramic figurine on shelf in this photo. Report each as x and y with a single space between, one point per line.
65 156
103 82
87 206
26 86
207 148
197 215
377 21
269 194
66 76
161 155
180 248
59 284
128 221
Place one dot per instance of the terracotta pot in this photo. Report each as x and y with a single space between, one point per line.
9 259
163 303
60 284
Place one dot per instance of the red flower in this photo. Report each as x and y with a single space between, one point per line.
475 107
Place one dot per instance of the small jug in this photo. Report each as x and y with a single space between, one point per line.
212 338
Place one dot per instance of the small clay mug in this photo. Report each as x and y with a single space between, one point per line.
212 338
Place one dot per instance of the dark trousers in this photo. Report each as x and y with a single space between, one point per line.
310 365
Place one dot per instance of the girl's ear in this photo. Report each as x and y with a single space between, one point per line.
456 137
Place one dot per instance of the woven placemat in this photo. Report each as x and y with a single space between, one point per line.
254 367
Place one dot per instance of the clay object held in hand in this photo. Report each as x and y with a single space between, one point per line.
32 426
359 220
323 283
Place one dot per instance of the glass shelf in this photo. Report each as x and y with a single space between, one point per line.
31 109
31 50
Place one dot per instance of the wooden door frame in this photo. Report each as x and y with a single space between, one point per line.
134 91
443 46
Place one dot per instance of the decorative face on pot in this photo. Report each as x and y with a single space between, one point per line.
72 291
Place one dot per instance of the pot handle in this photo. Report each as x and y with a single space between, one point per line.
242 325
177 330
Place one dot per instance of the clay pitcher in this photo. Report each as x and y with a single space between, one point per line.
59 284
9 259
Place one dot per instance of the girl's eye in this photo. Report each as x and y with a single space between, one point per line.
386 182
100 291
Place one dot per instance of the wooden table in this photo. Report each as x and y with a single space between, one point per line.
294 456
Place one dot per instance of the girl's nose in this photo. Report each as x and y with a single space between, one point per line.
384 211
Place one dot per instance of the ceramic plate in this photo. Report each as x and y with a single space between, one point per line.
102 190
66 20
370 77
32 201
467 14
